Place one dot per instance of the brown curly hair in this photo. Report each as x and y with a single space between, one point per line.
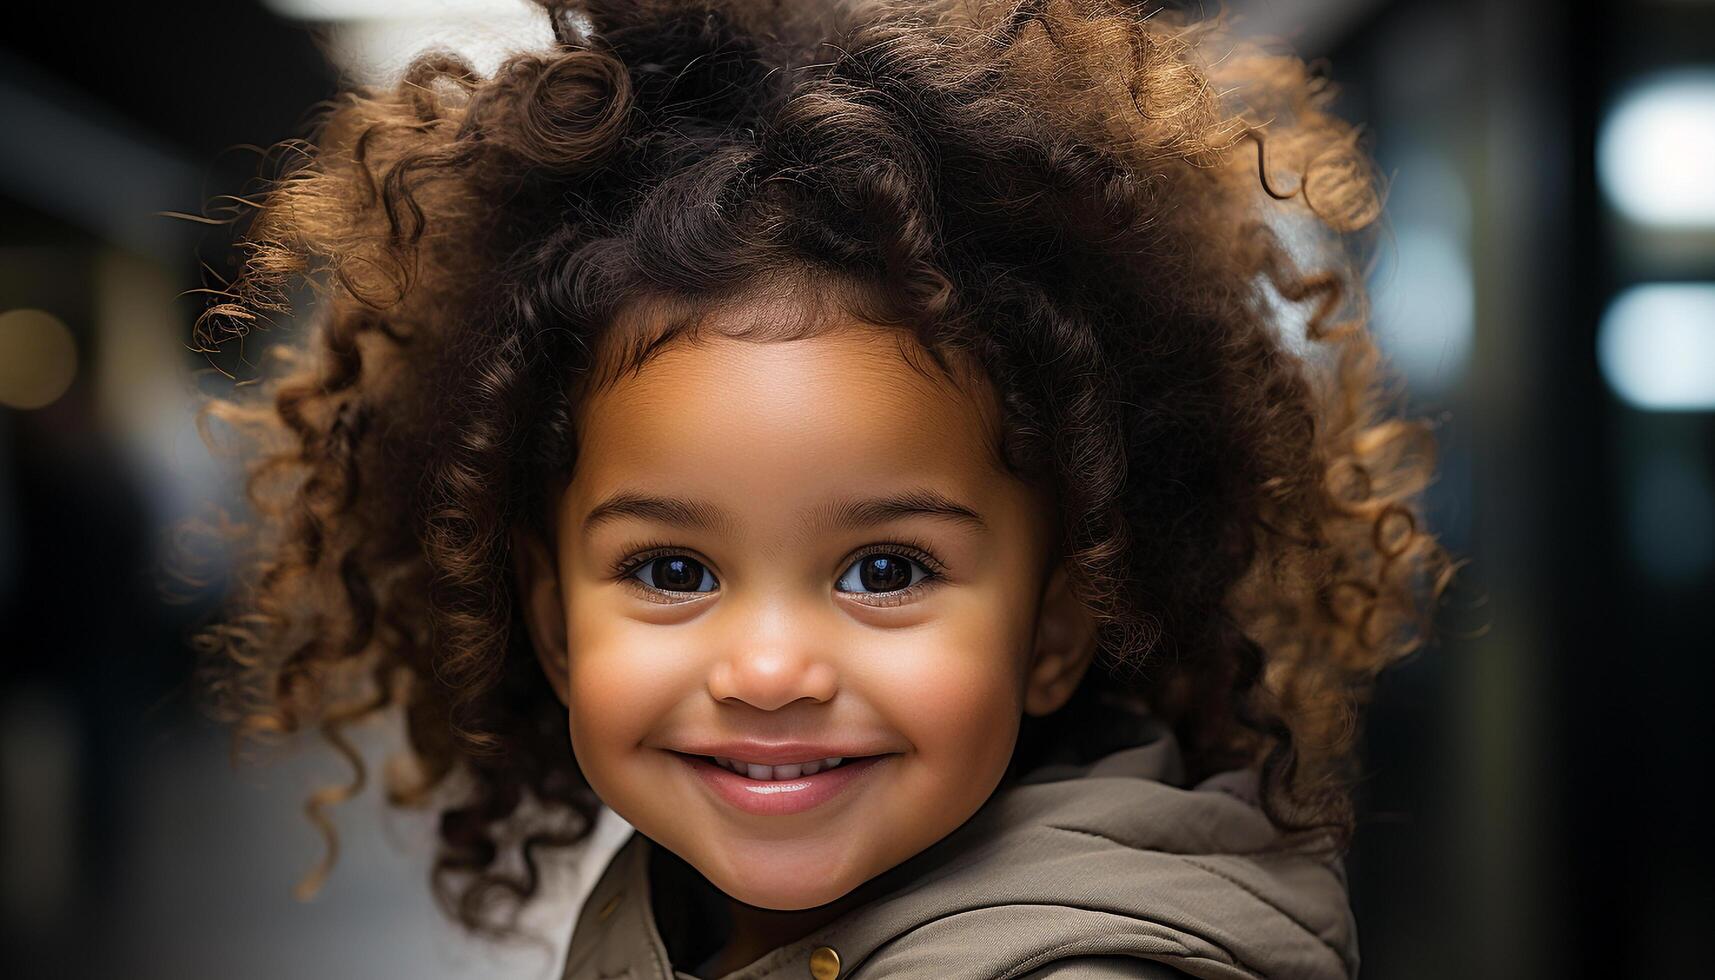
1109 208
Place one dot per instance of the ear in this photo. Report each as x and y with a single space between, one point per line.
543 606
1065 646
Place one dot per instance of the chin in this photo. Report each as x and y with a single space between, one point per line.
781 895
784 877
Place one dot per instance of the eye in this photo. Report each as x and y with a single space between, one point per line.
883 572
674 573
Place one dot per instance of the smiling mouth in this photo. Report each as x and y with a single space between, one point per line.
784 795
762 773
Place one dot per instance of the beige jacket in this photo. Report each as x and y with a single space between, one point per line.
1074 872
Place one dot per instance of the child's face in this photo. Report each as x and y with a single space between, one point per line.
749 614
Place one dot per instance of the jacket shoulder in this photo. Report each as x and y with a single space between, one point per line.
1105 968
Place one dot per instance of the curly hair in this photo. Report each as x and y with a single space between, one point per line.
1112 210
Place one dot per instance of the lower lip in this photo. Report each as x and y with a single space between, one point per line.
779 797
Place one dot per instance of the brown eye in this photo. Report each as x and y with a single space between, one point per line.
675 573
880 572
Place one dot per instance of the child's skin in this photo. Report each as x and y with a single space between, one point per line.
765 646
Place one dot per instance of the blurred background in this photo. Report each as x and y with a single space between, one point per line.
1547 289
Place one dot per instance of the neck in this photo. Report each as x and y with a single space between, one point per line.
758 931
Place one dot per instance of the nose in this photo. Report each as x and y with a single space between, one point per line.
770 671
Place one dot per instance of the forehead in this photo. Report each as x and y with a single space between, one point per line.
771 424
843 391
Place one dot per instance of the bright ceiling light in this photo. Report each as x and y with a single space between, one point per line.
1656 346
373 41
1655 153
332 10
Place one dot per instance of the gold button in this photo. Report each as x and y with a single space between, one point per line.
608 907
824 963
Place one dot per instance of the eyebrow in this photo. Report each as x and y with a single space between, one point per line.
851 512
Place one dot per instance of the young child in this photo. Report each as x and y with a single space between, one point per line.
922 465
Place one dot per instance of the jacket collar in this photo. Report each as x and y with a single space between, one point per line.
1104 858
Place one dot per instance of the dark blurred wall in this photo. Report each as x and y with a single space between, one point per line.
111 114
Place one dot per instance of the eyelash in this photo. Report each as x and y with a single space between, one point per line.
644 552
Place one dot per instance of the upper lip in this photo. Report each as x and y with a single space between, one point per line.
782 753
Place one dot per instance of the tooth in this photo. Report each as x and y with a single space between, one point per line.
761 772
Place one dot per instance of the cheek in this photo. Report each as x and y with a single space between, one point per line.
623 678
954 692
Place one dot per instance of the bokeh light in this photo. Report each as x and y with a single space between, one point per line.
1655 154
38 358
1656 346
